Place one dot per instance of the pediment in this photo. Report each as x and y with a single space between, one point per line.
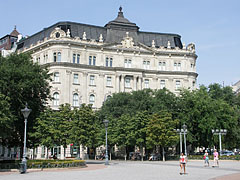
134 47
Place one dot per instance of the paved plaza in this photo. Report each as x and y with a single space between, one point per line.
120 170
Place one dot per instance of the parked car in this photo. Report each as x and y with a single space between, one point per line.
227 153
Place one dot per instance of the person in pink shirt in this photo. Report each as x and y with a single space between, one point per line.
215 155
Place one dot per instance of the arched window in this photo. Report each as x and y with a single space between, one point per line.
59 57
56 99
92 99
56 77
109 96
75 100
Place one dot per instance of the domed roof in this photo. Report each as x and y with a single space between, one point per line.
14 32
121 21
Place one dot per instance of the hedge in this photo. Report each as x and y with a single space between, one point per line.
14 164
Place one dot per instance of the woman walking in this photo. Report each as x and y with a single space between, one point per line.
183 162
206 159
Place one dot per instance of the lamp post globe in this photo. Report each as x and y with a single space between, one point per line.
106 153
25 113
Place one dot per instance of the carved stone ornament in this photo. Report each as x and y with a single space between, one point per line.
191 47
127 41
68 33
101 38
57 33
168 45
84 37
153 43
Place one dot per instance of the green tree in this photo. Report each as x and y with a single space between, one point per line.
6 119
160 131
23 81
83 126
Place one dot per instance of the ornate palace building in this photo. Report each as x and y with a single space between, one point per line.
90 63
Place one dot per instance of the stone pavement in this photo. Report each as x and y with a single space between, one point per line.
120 170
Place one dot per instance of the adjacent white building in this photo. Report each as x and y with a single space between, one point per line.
89 63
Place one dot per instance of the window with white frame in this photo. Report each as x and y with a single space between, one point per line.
56 76
178 84
179 67
57 57
146 64
92 80
127 82
162 65
109 62
127 63
74 58
92 60
75 100
91 99
56 99
75 79
162 84
175 66
109 81
78 58
146 83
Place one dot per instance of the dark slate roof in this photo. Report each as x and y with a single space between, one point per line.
113 32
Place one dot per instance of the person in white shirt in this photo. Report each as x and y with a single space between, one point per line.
183 161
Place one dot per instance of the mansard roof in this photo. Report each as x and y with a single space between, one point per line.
113 32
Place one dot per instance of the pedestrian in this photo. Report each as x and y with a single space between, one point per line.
215 155
183 161
206 159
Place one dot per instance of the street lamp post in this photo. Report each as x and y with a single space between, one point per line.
180 131
219 132
25 113
106 154
185 141
184 132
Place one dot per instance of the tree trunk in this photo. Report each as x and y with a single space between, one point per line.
110 154
125 155
64 152
163 153
141 153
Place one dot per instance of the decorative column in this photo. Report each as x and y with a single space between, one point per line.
117 83
135 83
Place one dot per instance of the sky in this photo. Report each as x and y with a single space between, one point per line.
213 25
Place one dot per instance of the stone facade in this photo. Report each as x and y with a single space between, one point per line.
91 70
90 63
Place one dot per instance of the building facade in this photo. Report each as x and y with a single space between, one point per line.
8 42
89 63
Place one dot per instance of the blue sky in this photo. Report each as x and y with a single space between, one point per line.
213 25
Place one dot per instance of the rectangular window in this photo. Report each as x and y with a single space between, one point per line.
75 79
59 57
162 66
109 81
54 57
78 58
111 62
94 60
162 84
178 84
56 77
146 83
148 65
127 63
90 60
74 58
179 66
144 64
127 83
107 62
175 66
92 80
